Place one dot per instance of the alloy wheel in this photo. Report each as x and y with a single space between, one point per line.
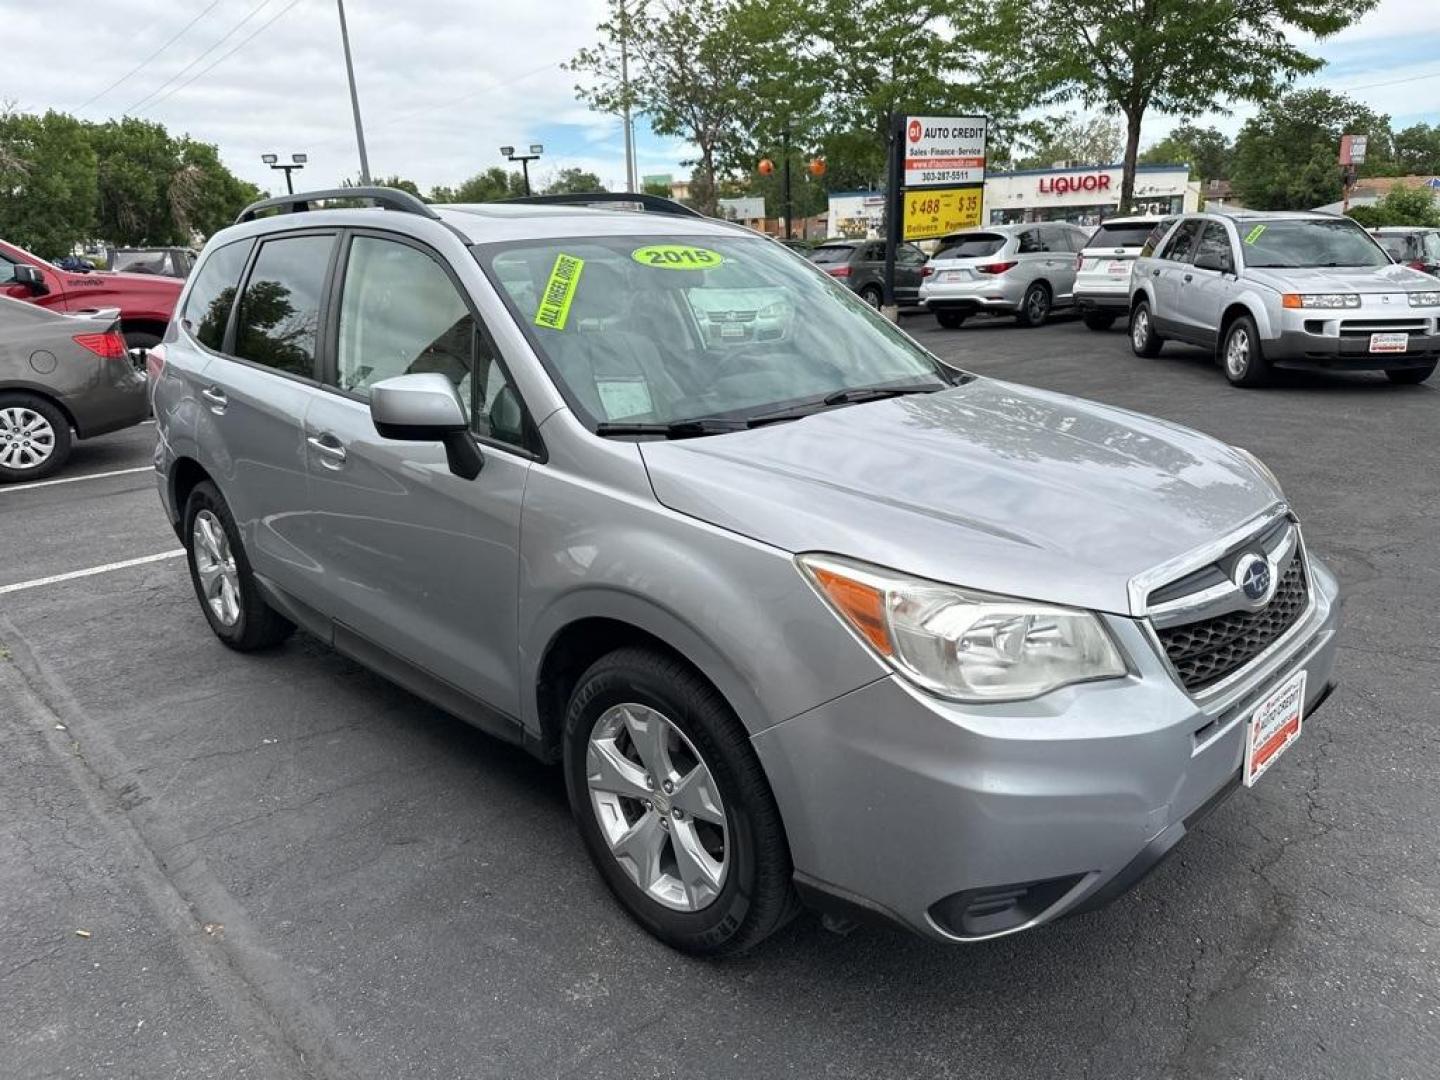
215 567
1035 305
27 439
1237 352
658 807
1140 328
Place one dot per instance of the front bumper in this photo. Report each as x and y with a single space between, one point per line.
1317 340
926 812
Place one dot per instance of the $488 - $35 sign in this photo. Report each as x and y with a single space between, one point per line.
934 212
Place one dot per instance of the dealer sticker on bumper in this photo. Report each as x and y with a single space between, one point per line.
1389 343
1273 726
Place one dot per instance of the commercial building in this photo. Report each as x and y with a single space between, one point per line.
1086 195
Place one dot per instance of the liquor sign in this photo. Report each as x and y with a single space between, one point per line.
944 151
932 212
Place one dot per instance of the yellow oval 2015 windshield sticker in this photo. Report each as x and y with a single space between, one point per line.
1255 234
559 292
677 257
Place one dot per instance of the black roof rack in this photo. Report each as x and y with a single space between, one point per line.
653 204
383 197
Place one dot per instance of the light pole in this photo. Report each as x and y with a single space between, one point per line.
354 97
296 163
524 159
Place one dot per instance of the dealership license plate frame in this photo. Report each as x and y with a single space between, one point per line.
1273 726
1390 343
954 277
1118 267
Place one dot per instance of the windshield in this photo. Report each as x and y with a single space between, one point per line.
1309 243
831 253
969 246
659 330
1130 235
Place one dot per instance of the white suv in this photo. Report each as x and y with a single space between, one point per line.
1102 269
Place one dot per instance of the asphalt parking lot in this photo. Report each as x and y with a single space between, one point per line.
289 868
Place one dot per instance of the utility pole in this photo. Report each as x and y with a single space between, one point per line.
625 95
785 166
354 97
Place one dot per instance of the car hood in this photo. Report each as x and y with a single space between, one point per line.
1369 279
990 485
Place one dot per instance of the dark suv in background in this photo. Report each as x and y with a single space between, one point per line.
860 264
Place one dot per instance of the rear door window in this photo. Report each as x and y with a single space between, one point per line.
207 307
970 245
1181 246
278 322
1031 242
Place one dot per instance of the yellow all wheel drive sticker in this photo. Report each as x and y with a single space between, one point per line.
1255 234
677 257
559 292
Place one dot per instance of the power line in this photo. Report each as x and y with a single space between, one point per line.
147 99
183 31
211 66
1394 82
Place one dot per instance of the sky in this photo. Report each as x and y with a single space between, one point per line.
444 83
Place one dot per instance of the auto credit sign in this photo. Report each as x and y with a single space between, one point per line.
944 151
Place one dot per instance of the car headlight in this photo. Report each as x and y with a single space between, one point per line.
1260 467
1425 299
961 644
1321 300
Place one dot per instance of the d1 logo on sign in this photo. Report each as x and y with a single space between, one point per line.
915 130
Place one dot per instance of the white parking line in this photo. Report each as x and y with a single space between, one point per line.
8 488
91 571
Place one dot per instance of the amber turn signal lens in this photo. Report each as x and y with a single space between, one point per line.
863 605
1291 300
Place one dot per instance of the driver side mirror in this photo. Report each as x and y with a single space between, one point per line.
1216 260
31 278
424 407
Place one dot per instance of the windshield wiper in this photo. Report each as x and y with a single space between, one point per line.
675 429
856 395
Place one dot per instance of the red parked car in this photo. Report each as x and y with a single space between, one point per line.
145 300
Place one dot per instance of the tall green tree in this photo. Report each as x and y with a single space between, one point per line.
490 185
47 182
1183 57
688 67
1095 140
1207 151
1417 149
1286 156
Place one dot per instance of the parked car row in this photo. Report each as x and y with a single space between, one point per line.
1264 291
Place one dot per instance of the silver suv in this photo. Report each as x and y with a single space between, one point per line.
815 617
1312 292
1021 270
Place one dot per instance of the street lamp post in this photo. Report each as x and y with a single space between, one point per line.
295 164
536 149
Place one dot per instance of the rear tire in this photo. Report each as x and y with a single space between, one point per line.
1144 341
1035 307
1242 355
872 296
951 320
1410 376
224 582
34 438
621 786
1099 320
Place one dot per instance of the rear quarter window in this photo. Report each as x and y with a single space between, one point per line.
207 307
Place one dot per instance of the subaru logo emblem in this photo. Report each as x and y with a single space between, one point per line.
1252 575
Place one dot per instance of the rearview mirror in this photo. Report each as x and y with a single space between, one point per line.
1215 260
424 407
31 277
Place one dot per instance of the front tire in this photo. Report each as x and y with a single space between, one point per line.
1144 341
673 806
1242 355
1410 376
1035 307
950 320
224 582
34 438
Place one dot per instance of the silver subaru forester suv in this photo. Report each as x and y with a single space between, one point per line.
805 614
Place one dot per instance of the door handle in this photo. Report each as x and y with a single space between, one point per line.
1154 273
1189 277
216 397
328 447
